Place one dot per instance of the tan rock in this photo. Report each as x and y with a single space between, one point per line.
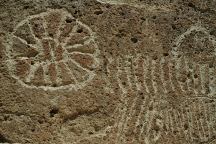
107 71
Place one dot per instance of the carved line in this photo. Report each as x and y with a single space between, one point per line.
137 5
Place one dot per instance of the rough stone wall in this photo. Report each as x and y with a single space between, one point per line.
108 71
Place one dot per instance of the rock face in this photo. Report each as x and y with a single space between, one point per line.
108 71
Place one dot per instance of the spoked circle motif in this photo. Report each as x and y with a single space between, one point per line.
52 50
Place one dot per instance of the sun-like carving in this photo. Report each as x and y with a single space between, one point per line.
52 50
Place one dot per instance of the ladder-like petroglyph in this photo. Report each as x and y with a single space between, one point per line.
194 121
150 86
52 50
167 95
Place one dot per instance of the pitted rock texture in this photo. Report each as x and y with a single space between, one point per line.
108 71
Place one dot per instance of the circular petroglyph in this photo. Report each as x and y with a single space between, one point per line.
195 43
52 50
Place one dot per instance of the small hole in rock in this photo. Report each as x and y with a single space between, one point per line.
91 133
142 18
75 12
53 112
154 17
185 126
107 6
188 75
69 20
191 5
195 76
212 32
6 118
151 108
175 132
134 40
98 12
166 54
54 85
155 57
173 27
80 30
40 121
124 83
26 7
211 65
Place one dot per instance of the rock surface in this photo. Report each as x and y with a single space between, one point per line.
108 71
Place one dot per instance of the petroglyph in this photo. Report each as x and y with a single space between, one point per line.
52 50
72 130
197 63
150 5
150 86
108 71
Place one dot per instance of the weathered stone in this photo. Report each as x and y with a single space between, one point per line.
108 71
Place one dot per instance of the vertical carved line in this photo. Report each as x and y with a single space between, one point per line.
145 71
162 60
